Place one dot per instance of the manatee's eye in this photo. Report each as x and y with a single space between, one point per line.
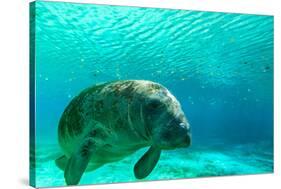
167 136
154 104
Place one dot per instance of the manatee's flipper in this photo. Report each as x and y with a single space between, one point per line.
147 162
61 162
78 162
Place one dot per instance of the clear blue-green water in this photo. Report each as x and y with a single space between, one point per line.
219 66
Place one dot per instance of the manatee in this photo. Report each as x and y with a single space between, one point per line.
108 122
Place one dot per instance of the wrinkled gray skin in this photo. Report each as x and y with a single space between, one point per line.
107 122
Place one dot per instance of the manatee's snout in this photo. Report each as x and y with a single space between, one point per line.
186 136
165 118
177 134
183 134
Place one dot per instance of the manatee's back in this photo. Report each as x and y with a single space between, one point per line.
101 103
71 127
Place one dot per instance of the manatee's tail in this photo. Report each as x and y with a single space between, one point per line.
61 162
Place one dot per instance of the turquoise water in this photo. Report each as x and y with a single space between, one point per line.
218 65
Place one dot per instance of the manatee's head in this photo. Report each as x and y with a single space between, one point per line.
163 115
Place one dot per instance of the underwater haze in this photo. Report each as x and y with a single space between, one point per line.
218 65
